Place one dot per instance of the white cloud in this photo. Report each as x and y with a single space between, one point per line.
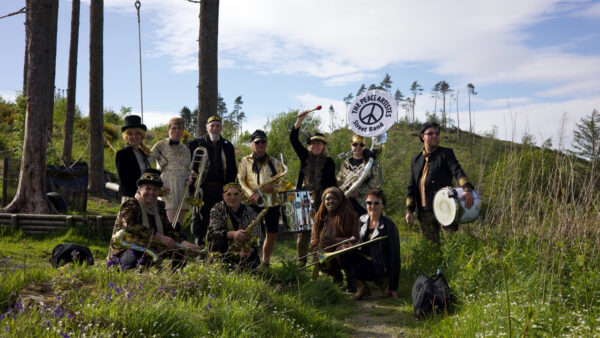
310 101
8 95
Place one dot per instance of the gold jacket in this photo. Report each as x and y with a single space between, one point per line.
249 179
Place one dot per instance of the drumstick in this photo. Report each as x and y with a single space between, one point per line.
308 111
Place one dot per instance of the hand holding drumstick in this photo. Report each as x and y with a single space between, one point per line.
302 115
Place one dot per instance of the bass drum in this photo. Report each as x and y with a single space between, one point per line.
296 210
449 206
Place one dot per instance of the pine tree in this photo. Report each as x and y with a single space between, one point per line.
361 89
415 89
386 83
586 136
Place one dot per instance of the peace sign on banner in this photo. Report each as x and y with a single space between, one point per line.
372 113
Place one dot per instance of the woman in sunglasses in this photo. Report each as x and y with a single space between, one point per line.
380 261
352 169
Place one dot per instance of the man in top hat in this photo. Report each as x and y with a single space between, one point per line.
221 169
254 170
352 169
432 169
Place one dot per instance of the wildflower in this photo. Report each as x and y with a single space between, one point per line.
57 297
69 316
108 297
64 335
140 261
117 290
47 323
2 316
173 292
129 294
209 306
6 329
111 285
211 296
79 299
139 286
74 252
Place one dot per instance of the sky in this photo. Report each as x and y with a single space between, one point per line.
535 64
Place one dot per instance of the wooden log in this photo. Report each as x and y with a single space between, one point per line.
47 228
69 221
28 222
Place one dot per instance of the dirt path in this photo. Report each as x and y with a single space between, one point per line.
383 317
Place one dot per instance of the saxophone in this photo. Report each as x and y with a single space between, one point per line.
237 247
260 202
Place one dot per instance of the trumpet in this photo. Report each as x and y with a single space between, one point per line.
261 201
120 239
200 157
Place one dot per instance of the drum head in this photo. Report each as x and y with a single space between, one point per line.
445 207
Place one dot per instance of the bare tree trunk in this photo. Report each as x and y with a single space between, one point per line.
470 124
207 63
26 62
96 167
457 118
72 83
42 18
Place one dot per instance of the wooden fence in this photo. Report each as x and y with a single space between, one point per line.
43 224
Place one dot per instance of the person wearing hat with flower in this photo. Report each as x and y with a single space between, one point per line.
173 161
220 170
432 169
254 169
352 168
132 160
317 173
145 223
229 220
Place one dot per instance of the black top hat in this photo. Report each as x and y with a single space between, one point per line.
150 176
317 137
258 135
133 121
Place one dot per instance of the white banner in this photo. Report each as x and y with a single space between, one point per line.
372 113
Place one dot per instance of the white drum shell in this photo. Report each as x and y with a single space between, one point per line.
449 206
296 210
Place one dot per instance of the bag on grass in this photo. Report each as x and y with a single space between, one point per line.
431 294
71 252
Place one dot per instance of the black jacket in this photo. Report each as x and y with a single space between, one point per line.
443 166
386 252
128 170
328 178
222 171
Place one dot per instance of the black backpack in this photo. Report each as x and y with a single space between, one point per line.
431 294
71 252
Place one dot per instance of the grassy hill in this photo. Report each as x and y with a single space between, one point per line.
529 266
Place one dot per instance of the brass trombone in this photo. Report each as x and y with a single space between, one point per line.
323 256
200 157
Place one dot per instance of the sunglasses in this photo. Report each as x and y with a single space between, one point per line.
373 203
260 142
431 133
229 194
358 144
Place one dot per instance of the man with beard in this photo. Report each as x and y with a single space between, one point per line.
317 172
220 170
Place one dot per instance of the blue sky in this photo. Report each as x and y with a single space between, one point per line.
535 64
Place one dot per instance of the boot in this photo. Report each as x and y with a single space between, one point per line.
362 290
384 285
350 287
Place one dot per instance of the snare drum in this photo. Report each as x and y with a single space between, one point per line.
296 210
449 206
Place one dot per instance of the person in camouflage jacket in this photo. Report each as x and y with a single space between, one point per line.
145 223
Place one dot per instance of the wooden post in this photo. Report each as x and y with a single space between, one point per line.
14 220
99 227
69 221
4 181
